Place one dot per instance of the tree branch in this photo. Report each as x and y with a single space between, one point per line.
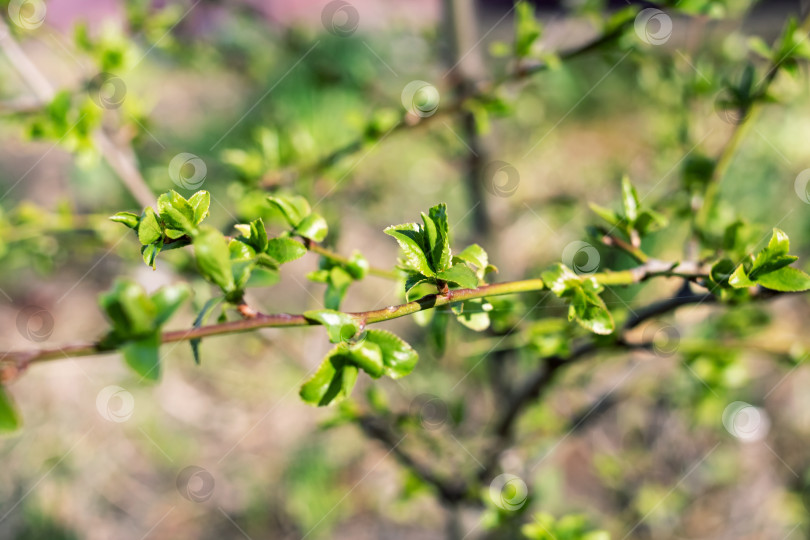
122 162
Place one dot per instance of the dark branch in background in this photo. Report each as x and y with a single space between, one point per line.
481 89
450 491
466 68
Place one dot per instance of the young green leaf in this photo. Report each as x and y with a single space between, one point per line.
367 356
774 256
586 306
284 250
527 29
176 212
474 314
9 417
460 274
339 326
630 200
167 299
202 316
293 208
150 253
213 258
149 229
143 356
313 227
200 202
127 218
358 266
398 357
337 283
475 255
410 238
436 237
785 279
332 382
129 309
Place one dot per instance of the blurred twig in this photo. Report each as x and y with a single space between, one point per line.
122 161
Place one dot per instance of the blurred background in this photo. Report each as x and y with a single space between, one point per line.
307 97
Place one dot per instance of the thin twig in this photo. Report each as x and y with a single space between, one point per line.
121 161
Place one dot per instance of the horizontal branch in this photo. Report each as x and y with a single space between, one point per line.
653 268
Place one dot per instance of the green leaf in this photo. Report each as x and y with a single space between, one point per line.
587 307
130 310
202 316
258 235
368 357
313 227
460 274
127 218
339 326
630 200
284 250
167 299
414 279
559 278
785 279
242 269
176 212
773 257
739 279
649 221
722 271
398 357
358 266
436 237
149 229
150 253
410 238
213 258
332 382
293 208
589 310
337 283
475 255
143 356
527 29
200 202
474 314
263 277
612 217
240 250
9 417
